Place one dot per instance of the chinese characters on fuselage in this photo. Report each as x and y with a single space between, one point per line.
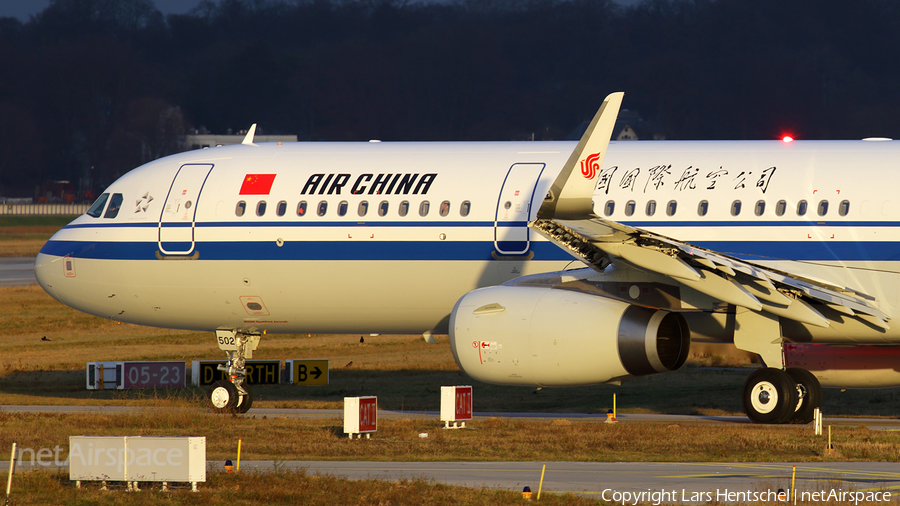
691 178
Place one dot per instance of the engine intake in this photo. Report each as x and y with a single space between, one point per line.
516 335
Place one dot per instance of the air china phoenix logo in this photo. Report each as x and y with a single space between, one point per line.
590 166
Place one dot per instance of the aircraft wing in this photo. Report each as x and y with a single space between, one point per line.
599 242
568 220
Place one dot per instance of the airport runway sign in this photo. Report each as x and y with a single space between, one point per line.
259 372
308 371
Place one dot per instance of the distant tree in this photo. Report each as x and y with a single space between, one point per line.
120 17
20 150
95 87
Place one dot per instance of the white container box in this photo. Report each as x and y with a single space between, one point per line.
360 415
456 404
137 458
104 376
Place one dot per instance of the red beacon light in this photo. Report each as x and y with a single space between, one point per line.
787 138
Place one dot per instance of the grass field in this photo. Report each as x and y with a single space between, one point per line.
23 236
405 372
491 439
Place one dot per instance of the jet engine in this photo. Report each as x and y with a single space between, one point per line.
537 336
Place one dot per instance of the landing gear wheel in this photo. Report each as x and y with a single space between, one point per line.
224 396
812 394
234 395
245 401
770 396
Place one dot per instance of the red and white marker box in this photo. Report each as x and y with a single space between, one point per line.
456 405
360 415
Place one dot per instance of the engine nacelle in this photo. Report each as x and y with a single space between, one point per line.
517 335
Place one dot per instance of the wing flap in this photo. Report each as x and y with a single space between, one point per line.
651 260
723 289
800 311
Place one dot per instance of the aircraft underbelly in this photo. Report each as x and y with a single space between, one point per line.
280 296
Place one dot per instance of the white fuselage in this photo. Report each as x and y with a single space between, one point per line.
188 250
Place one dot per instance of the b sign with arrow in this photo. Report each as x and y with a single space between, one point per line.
309 372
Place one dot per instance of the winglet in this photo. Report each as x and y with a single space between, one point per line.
248 139
572 192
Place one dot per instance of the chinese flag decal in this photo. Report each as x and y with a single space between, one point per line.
257 184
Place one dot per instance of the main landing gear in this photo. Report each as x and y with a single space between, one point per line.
781 396
773 395
233 395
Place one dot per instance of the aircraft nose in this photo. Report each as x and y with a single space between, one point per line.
44 265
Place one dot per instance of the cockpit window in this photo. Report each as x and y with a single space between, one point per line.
97 209
115 203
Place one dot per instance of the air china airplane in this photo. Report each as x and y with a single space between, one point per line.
548 263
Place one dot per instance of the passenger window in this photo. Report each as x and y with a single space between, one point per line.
464 208
301 208
423 208
383 208
240 209
844 207
736 208
703 208
822 209
342 208
759 208
322 208
404 208
363 208
671 207
115 203
261 208
780 208
97 209
281 209
629 208
445 208
651 208
801 208
609 208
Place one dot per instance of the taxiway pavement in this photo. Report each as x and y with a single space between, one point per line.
681 482
17 271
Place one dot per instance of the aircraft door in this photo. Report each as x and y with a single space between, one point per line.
511 234
176 223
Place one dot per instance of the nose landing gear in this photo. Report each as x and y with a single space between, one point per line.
233 394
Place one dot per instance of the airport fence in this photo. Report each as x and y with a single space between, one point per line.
43 209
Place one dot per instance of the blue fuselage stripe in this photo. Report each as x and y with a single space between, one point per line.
301 224
301 250
456 250
811 250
